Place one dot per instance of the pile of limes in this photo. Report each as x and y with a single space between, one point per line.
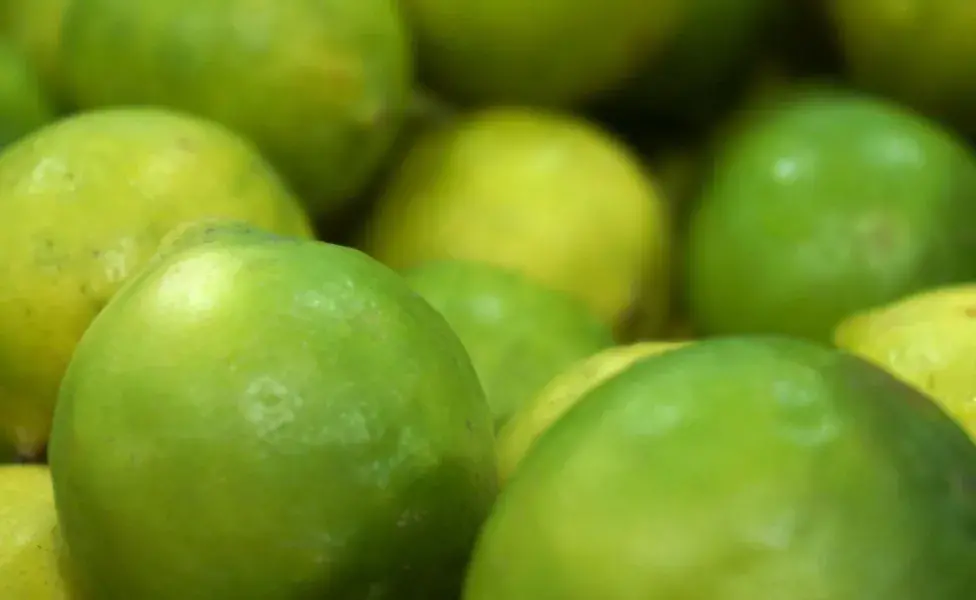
492 300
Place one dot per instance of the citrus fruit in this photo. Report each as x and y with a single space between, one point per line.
920 52
31 562
270 419
831 203
562 393
518 333
928 339
83 204
24 105
321 87
550 52
545 194
738 468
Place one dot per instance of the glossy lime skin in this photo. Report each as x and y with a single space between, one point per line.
825 204
271 420
920 52
739 468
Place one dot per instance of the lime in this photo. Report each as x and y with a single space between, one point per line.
320 87
545 194
32 565
84 203
827 204
928 339
271 419
738 468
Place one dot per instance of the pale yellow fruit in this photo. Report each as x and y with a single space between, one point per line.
927 339
547 194
84 203
518 435
30 559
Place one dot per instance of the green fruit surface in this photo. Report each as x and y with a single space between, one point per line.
823 205
519 333
320 85
276 419
760 468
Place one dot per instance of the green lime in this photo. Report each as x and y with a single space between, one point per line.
320 87
827 204
738 468
32 564
271 419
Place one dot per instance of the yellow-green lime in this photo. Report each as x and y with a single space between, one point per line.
928 339
320 86
32 564
547 194
84 203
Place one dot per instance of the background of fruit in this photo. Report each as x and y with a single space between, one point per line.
580 189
